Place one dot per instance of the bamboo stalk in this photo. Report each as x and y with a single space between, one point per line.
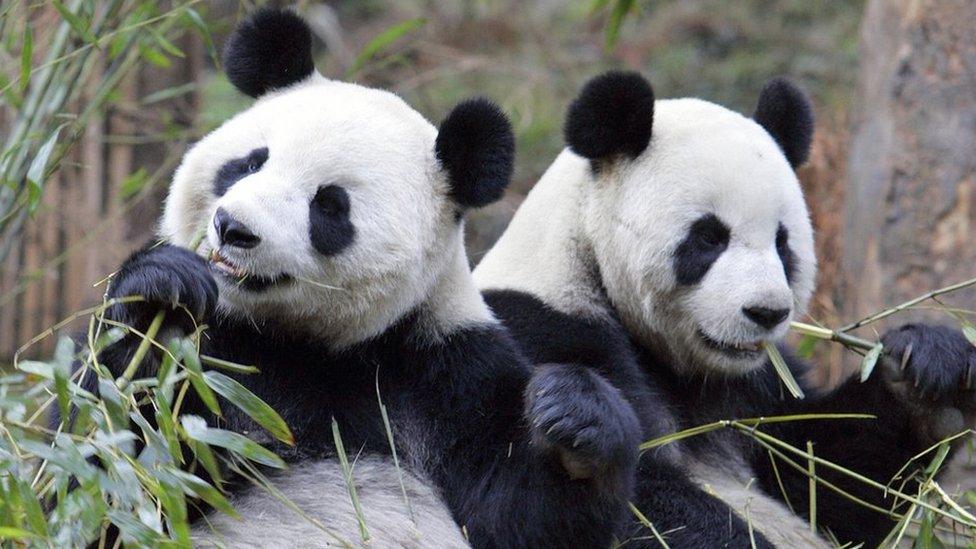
833 335
911 302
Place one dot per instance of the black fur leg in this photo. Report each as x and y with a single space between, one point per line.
171 279
583 419
937 363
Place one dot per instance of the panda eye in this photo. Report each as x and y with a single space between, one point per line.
782 237
239 168
332 200
706 240
254 161
786 255
712 235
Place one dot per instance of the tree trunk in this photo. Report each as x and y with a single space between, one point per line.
911 199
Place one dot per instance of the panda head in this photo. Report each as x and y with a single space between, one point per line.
327 202
696 218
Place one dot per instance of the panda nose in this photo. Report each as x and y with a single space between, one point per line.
765 317
232 232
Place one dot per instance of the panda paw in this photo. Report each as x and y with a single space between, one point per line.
170 279
934 368
580 417
938 362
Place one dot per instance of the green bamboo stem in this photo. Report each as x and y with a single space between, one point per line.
150 335
833 335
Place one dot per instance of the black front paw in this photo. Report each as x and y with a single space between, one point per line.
169 278
937 364
577 414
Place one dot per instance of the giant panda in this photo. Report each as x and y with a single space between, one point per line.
661 249
333 261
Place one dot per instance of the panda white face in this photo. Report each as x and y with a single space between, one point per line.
329 205
703 238
324 197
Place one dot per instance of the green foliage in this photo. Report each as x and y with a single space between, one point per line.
48 118
378 45
125 448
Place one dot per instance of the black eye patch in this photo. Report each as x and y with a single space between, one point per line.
329 226
786 255
234 170
706 240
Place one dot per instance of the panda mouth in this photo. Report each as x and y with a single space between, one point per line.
241 277
750 349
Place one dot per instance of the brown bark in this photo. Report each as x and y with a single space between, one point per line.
911 200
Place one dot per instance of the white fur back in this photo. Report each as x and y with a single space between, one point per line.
542 252
733 486
319 490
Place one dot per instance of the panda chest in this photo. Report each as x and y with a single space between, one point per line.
324 412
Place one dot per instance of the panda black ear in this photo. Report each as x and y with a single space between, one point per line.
613 115
476 148
785 111
269 50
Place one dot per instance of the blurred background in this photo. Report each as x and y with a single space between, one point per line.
101 99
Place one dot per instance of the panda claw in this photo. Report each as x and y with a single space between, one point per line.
906 356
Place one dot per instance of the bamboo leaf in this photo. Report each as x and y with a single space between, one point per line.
207 459
227 365
192 362
32 508
680 435
783 370
169 93
869 362
26 56
194 17
253 406
646 522
806 346
203 490
350 482
383 41
129 526
598 6
155 57
75 22
63 356
165 44
134 183
150 435
617 16
196 428
11 533
38 167
969 331
9 93
164 419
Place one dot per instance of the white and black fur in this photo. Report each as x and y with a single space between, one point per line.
666 243
334 262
